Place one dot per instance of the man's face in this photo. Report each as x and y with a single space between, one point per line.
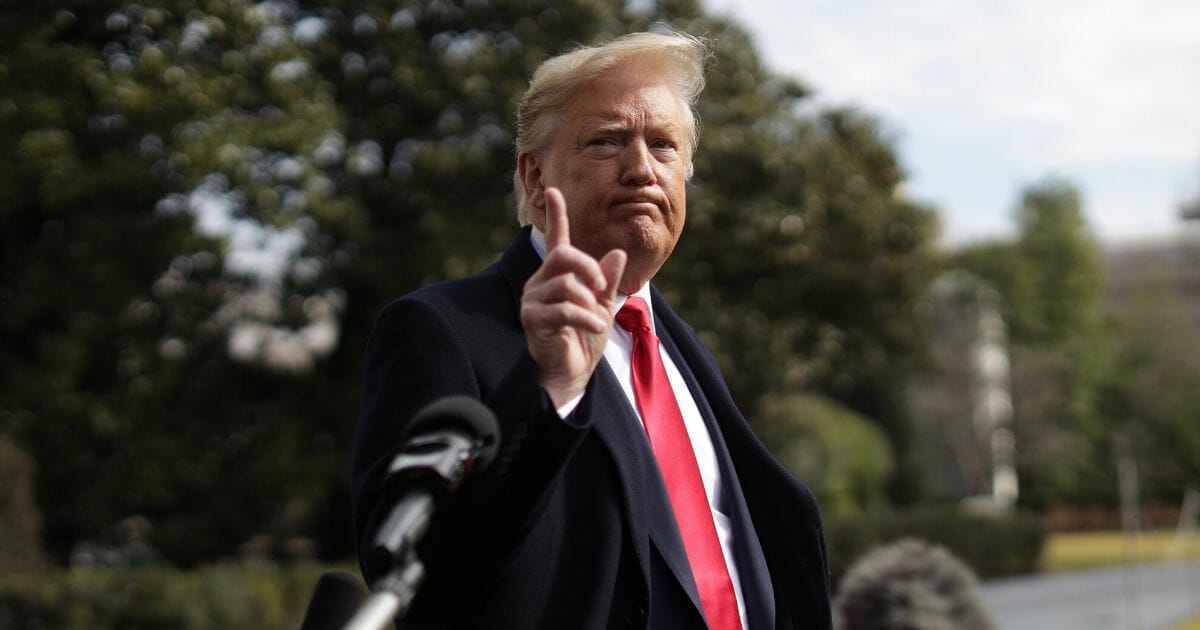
618 154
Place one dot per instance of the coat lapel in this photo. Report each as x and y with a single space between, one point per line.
712 398
651 518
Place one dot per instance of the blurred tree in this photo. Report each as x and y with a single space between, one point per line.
204 206
160 217
1159 384
843 456
1052 284
1063 267
20 519
79 245
1189 210
803 262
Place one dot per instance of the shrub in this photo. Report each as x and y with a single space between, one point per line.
20 520
248 595
992 546
842 455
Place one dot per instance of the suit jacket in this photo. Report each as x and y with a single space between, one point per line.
570 527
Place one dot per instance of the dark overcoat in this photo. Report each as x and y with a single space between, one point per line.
570 528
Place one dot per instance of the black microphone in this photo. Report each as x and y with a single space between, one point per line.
336 598
910 585
447 440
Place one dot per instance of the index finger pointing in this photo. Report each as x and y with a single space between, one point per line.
558 227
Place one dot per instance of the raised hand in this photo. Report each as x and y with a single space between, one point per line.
566 308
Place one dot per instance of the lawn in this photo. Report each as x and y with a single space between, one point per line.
1079 550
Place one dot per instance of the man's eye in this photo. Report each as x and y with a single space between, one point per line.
600 142
663 144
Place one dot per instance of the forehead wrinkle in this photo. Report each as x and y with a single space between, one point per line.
626 118
618 103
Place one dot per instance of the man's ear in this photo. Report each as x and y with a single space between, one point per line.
529 169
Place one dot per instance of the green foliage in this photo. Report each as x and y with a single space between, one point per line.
992 545
1003 266
20 519
1159 387
151 153
1052 286
117 305
212 597
1062 264
843 456
802 262
1051 275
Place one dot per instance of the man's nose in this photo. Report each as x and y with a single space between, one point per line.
637 167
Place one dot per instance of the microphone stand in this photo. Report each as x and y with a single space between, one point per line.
393 595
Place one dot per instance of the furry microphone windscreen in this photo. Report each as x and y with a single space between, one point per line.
910 585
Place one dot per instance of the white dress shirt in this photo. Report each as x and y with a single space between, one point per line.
619 354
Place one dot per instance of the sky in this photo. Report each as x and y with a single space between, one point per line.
987 97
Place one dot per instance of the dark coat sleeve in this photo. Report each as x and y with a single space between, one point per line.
427 346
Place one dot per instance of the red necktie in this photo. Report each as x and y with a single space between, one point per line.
677 463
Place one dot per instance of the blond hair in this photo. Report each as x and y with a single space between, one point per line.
681 56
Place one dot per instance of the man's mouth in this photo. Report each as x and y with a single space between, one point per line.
639 205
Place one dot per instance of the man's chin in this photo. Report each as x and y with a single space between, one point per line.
640 236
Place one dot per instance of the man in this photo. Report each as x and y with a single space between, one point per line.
629 491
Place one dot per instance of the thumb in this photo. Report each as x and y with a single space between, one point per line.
613 268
